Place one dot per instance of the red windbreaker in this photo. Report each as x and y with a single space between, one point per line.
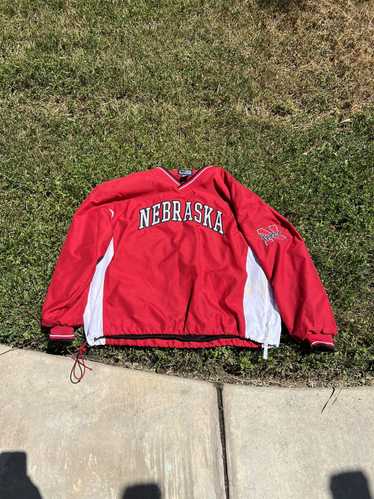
184 258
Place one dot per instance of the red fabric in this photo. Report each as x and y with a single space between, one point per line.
318 339
157 342
298 290
61 333
183 277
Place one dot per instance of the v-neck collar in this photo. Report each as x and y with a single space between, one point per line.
170 173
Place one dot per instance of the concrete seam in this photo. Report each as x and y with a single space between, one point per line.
221 419
6 351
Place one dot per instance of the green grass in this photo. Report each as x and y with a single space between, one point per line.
277 92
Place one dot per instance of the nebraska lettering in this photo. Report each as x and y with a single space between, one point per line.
181 211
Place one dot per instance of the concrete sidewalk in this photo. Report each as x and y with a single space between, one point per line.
126 434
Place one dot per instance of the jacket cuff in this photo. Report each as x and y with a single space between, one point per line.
316 340
61 333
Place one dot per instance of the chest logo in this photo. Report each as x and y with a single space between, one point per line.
181 211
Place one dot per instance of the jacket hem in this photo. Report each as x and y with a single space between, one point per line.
160 342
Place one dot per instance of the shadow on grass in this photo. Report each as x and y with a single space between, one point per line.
281 5
14 481
350 485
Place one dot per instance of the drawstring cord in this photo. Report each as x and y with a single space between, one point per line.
265 352
265 344
79 364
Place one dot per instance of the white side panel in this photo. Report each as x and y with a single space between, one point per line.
93 313
262 319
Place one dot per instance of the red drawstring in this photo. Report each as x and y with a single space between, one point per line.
79 361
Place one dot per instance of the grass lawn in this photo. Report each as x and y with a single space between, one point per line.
278 92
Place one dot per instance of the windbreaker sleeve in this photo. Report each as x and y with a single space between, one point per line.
299 293
89 234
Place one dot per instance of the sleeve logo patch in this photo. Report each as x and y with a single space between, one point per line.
270 233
